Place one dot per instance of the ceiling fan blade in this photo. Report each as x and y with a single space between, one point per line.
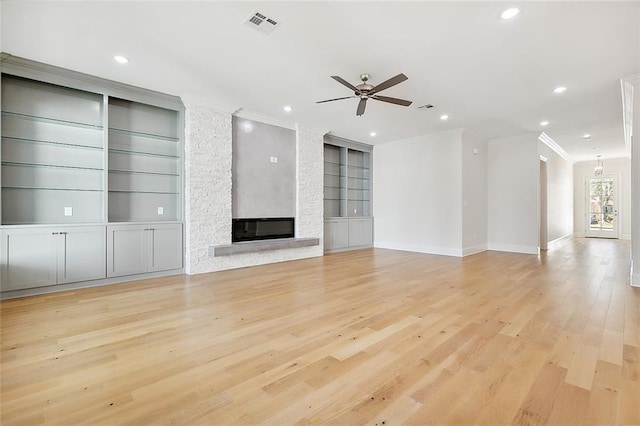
345 82
361 105
391 100
336 99
391 82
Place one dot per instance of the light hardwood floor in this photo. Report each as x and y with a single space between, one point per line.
374 337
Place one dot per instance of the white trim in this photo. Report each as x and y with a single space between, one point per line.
543 158
443 251
546 139
512 248
559 239
468 251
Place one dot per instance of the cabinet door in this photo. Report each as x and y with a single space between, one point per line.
336 234
165 247
28 258
360 232
126 250
81 254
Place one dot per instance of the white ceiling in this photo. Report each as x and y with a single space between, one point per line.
493 77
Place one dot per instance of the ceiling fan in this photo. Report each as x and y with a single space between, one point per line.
366 91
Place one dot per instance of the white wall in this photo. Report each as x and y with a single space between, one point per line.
474 193
560 187
417 194
618 166
208 213
631 114
512 179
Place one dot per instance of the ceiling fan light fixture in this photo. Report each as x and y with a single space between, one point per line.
510 13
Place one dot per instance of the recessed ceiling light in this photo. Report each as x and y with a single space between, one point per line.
544 123
247 127
287 108
121 59
372 134
559 89
444 117
586 136
510 13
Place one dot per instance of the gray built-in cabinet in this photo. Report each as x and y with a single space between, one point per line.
143 248
91 180
347 195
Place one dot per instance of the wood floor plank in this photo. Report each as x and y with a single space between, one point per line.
583 367
365 337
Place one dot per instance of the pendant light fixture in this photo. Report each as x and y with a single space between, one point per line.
599 169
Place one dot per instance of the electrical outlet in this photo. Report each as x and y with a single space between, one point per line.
160 210
68 211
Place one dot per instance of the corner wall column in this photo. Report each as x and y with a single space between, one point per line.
207 184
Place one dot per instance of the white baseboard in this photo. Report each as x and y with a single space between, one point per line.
513 248
418 248
579 235
634 278
559 239
474 249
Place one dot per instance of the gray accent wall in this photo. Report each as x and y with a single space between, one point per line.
263 170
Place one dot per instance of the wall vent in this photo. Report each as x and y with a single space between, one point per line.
426 106
262 23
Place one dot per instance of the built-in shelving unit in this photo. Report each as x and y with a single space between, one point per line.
52 154
335 181
91 180
144 162
358 188
347 195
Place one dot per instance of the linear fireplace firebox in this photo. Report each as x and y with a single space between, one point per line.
262 229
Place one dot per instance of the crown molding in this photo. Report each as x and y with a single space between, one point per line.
628 85
191 100
546 139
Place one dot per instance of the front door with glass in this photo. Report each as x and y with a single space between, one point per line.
602 206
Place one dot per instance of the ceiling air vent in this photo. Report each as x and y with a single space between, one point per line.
262 23
426 106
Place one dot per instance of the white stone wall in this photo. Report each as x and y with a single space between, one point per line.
207 184
208 214
310 185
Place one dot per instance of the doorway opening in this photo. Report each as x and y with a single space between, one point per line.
542 214
602 206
